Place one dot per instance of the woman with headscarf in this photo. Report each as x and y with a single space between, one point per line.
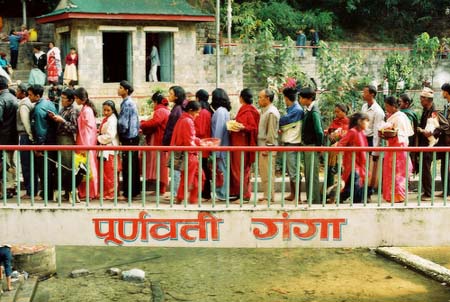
154 130
54 67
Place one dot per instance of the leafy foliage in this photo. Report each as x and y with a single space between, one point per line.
340 75
413 68
286 20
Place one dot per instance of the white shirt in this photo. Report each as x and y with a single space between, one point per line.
108 135
376 120
400 121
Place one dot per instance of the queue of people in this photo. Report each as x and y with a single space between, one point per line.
28 118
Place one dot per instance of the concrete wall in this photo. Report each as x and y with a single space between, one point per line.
192 70
302 227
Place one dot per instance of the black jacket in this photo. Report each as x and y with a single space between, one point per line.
8 115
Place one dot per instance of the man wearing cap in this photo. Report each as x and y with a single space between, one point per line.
430 111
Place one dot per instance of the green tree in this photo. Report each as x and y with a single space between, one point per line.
340 76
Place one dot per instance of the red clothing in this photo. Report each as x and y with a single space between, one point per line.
70 60
203 127
154 130
354 138
337 123
184 135
87 135
248 115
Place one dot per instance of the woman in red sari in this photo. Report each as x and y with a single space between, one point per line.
54 67
154 130
396 120
337 129
184 135
355 137
108 136
203 130
87 135
248 120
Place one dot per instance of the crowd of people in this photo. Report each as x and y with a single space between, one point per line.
27 118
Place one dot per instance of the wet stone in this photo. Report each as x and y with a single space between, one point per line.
79 273
134 275
114 271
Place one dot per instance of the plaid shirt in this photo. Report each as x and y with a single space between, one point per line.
70 126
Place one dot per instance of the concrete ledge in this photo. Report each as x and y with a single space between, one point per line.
427 267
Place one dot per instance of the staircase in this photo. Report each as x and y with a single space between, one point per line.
25 61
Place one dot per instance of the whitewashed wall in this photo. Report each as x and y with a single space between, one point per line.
359 227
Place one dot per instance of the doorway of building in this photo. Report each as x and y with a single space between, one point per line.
65 45
164 46
116 57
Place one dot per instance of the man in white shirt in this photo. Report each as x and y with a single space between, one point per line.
376 119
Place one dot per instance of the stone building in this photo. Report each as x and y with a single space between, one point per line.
114 39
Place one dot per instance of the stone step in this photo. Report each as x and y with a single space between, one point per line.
26 291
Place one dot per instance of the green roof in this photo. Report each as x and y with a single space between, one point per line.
134 7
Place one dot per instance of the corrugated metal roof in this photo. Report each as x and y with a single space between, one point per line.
137 7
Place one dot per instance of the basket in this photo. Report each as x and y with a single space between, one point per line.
210 142
387 133
233 126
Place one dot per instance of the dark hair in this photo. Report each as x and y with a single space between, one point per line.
69 94
192 106
372 90
203 96
290 93
405 98
112 105
82 94
51 43
356 117
392 101
220 99
343 107
157 97
269 93
73 48
2 54
37 47
308 93
247 95
12 91
127 86
3 83
12 31
446 87
23 88
179 93
36 90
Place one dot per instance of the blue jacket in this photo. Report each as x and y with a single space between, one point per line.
128 124
14 42
294 114
43 126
